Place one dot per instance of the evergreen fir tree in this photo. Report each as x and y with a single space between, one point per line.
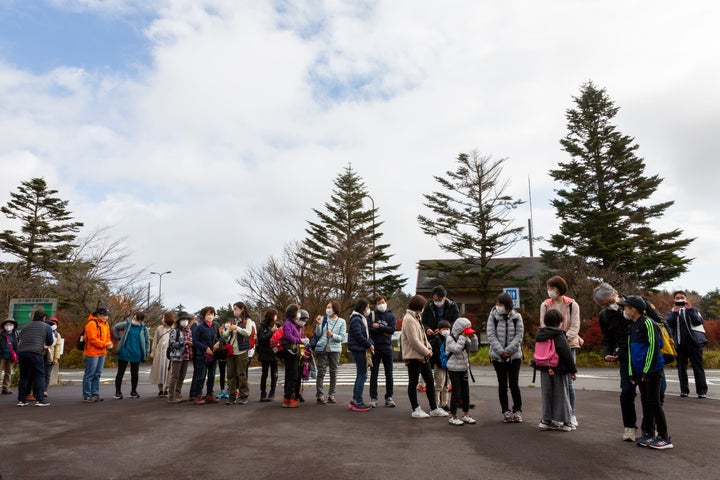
472 221
339 245
603 207
46 231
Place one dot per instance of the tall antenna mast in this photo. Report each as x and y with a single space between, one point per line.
530 220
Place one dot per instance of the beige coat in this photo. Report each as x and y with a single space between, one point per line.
55 351
571 319
158 372
413 341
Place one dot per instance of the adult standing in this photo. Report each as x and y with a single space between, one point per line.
360 344
8 352
291 342
331 333
557 288
505 332
440 308
416 352
132 349
688 332
34 338
97 343
268 359
382 323
54 352
179 354
236 333
205 343
158 351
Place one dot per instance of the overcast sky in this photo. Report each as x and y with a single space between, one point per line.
205 132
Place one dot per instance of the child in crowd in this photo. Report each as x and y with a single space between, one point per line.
556 411
461 339
439 364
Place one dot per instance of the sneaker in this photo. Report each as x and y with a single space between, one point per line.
359 407
134 395
286 402
629 434
547 426
517 417
321 400
88 400
468 419
43 403
22 404
438 412
455 421
644 440
419 413
566 427
230 401
118 396
165 394
331 399
683 394
293 403
242 401
373 402
660 443
702 395
446 408
6 391
421 388
573 421
389 402
97 398
507 416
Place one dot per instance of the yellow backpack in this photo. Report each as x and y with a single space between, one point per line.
668 349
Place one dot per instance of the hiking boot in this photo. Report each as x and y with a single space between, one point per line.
419 413
517 417
321 400
118 396
455 421
468 419
389 402
660 443
198 400
30 398
210 398
629 434
507 416
438 412
373 402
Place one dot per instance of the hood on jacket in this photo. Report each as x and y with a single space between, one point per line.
546 333
460 324
500 316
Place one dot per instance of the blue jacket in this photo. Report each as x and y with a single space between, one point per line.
4 349
644 344
358 338
382 336
124 328
204 337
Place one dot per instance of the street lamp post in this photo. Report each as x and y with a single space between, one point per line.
372 201
160 286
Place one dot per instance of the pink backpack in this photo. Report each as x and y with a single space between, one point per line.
545 355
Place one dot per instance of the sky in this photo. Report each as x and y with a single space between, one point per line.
203 133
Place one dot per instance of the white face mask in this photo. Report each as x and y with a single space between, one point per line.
500 309
367 312
135 322
301 323
329 312
297 315
183 323
445 332
614 306
382 307
53 327
552 293
627 316
438 304
9 328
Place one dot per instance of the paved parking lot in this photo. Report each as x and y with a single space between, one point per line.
148 438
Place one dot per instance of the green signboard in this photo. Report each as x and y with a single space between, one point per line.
22 309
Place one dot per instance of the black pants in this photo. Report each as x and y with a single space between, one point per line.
384 356
273 368
415 368
32 373
653 413
291 375
460 391
688 350
134 374
508 372
222 367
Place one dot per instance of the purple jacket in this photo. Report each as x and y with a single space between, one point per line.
291 331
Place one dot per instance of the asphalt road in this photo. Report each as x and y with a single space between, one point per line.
148 438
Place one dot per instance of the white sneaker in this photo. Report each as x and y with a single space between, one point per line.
439 412
455 421
629 434
468 419
574 422
419 413
373 402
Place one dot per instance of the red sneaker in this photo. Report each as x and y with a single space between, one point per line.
293 403
422 388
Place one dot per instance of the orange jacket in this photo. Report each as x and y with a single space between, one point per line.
97 336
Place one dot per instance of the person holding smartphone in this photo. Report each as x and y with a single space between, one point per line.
686 325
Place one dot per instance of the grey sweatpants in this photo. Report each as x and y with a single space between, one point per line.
555 399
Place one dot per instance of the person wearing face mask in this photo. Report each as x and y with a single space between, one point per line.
381 325
686 325
205 344
291 335
557 287
179 353
236 333
132 349
54 352
505 332
439 364
440 308
8 352
267 357
158 351
33 341
330 334
359 344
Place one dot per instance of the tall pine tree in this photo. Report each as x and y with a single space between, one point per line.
47 231
340 244
471 219
603 205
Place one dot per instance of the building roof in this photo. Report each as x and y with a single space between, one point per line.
527 267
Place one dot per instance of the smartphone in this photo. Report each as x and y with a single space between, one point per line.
680 303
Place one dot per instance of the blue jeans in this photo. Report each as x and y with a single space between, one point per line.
201 372
360 377
91 378
570 386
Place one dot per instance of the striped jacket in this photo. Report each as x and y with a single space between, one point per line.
644 344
